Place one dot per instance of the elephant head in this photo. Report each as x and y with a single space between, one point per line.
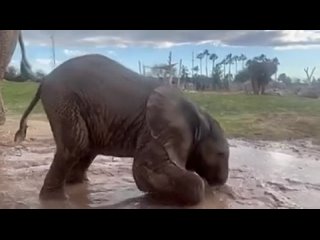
210 155
192 138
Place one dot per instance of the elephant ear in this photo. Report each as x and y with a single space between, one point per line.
169 118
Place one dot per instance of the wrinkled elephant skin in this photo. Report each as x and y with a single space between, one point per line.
96 106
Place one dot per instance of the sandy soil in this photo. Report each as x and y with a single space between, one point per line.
262 175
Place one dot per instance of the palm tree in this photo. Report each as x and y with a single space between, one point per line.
248 63
243 58
261 58
206 54
235 59
200 57
276 62
229 60
195 69
213 57
223 62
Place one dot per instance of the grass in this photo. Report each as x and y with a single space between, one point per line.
250 117
17 96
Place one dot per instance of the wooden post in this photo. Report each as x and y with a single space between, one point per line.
170 68
179 76
139 67
192 64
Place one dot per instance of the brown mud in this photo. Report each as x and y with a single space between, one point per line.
262 175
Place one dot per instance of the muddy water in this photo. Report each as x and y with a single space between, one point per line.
261 176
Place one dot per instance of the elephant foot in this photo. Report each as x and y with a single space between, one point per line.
52 194
170 183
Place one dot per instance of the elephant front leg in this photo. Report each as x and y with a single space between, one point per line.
154 173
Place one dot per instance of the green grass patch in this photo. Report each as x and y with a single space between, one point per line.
17 96
251 117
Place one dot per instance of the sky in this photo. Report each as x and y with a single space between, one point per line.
295 49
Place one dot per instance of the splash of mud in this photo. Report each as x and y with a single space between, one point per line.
261 176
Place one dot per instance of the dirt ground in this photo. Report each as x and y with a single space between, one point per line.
262 175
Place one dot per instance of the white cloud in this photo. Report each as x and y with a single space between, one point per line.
170 38
43 61
296 47
300 36
44 64
73 53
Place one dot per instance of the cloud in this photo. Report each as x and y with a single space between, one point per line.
44 64
297 47
171 38
43 61
73 53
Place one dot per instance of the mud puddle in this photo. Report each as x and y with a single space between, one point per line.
261 176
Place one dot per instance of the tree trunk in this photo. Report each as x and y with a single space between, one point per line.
200 66
212 67
206 65
192 65
255 87
236 67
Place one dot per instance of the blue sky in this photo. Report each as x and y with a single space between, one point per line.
295 49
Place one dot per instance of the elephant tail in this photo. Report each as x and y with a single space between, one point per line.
22 132
25 67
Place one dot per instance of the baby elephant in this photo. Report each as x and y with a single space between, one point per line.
97 106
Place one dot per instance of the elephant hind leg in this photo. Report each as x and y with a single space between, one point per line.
71 137
78 172
156 174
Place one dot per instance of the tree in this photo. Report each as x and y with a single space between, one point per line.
223 62
229 60
11 74
309 75
213 57
40 74
163 71
284 78
206 54
242 76
242 58
200 57
235 59
195 69
184 75
276 61
261 58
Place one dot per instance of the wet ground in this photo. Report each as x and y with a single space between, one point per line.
262 175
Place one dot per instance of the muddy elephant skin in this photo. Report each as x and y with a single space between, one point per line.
96 106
